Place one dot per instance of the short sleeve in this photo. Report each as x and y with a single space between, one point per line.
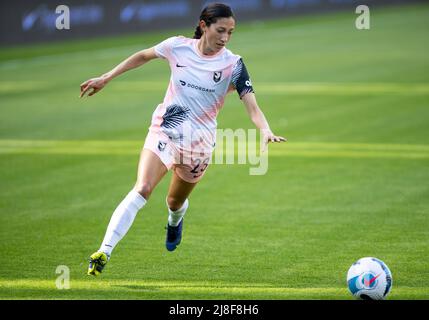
241 79
163 49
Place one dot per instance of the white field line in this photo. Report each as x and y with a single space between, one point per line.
288 149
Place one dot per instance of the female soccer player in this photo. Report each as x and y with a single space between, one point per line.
182 133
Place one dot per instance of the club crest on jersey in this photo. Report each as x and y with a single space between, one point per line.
217 75
161 145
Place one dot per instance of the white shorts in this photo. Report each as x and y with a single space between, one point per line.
188 165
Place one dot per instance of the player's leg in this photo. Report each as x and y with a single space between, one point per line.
178 192
177 203
150 171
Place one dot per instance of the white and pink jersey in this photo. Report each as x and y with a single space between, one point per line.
196 92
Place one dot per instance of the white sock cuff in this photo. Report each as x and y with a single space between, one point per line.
136 198
183 208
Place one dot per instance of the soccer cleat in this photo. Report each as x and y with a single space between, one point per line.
97 262
174 236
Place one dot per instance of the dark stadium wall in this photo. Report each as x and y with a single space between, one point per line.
34 21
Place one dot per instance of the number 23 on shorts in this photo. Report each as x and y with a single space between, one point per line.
198 166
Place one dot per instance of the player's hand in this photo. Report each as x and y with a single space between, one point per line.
269 136
92 86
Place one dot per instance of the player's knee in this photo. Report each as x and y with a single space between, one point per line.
144 188
174 203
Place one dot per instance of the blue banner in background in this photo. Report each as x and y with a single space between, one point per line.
35 21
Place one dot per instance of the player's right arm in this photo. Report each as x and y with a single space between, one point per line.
94 85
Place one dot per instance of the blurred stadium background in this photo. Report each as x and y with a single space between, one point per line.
33 21
351 182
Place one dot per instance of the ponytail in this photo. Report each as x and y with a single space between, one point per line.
198 33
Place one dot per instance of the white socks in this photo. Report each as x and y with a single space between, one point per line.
174 217
121 220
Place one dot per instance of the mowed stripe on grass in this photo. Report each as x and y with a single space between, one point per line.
190 289
322 88
301 149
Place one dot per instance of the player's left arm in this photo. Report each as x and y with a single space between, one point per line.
258 118
240 80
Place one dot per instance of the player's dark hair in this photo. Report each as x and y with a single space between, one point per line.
210 14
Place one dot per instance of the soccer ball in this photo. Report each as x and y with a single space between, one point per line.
369 279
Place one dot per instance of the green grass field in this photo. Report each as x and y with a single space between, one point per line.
352 181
